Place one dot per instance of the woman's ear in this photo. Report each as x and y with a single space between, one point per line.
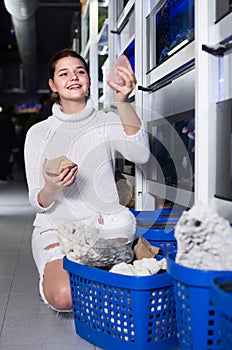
52 85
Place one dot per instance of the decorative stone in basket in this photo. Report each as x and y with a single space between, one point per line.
82 244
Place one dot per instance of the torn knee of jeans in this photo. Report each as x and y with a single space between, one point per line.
42 232
53 245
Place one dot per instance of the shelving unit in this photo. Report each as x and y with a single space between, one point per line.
188 80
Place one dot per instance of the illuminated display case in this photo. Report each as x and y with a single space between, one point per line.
171 23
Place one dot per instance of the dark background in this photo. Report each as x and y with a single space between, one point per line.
57 23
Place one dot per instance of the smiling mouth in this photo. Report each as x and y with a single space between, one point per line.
76 86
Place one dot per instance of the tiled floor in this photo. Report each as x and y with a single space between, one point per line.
26 323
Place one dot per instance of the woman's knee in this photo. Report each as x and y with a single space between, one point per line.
56 286
60 298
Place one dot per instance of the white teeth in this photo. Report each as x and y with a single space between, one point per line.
74 86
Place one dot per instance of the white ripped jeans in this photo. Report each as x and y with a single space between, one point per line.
41 239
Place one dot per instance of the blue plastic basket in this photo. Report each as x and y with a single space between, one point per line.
158 228
222 300
160 238
197 319
115 311
157 214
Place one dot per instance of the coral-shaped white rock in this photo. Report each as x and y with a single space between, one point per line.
204 239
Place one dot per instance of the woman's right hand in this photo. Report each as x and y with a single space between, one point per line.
53 183
64 179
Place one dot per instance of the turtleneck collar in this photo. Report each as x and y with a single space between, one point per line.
79 119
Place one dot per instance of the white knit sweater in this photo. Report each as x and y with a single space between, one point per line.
90 139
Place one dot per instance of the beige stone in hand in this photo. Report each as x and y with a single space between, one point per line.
55 166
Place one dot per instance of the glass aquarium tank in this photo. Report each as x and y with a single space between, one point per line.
172 143
172 24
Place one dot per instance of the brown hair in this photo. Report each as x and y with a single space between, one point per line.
52 66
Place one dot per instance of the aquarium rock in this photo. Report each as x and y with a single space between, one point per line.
143 267
204 239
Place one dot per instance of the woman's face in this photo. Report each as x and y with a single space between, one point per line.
71 80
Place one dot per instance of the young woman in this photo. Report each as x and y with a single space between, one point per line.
86 191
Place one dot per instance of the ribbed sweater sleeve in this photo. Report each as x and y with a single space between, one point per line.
134 148
33 154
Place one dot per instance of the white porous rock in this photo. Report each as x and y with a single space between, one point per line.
76 239
143 267
163 264
150 264
204 239
124 269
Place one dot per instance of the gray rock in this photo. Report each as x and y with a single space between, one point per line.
106 253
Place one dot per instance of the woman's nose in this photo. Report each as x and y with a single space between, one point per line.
74 76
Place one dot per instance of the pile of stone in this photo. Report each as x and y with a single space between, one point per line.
83 245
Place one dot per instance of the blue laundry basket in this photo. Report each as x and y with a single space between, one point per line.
151 217
114 311
221 295
158 228
197 319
